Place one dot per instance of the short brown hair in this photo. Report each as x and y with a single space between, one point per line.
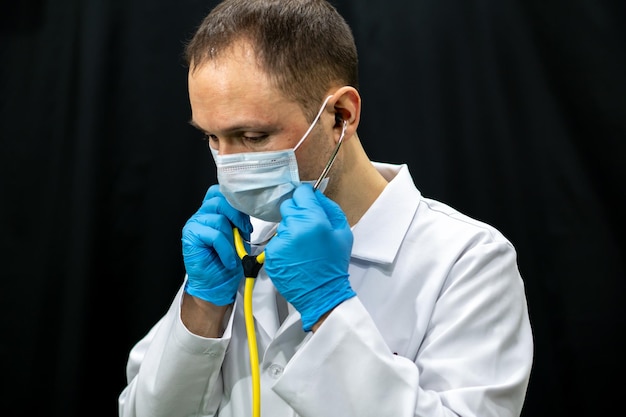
304 46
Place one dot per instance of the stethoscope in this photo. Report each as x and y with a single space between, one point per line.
252 264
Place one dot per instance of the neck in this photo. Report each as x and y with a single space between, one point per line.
359 183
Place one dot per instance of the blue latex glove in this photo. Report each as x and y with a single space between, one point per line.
213 267
308 259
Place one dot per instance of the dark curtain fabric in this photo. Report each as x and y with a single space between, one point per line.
514 112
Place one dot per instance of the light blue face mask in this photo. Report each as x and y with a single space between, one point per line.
256 183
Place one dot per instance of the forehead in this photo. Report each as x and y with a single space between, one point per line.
233 86
234 74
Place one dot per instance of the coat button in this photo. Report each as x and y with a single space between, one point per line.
275 370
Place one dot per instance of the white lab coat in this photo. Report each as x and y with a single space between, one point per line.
439 327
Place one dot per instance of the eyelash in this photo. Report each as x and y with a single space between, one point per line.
255 139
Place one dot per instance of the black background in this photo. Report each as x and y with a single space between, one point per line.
514 112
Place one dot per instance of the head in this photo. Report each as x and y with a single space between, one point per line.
304 47
259 71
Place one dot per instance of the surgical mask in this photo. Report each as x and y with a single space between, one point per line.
256 183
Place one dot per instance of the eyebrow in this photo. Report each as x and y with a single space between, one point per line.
237 128
194 124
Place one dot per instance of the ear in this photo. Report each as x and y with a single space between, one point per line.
347 107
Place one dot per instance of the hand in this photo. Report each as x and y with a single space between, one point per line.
213 268
308 258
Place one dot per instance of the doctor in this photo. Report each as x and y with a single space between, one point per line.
373 300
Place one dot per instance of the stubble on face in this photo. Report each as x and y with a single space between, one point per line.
232 91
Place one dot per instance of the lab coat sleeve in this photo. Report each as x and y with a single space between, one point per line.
474 359
172 372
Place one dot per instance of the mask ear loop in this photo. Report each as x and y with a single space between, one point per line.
329 165
306 134
324 172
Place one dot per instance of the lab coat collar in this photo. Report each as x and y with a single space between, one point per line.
380 232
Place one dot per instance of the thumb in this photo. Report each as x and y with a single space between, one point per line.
304 198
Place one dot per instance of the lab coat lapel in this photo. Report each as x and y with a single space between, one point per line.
264 306
289 336
272 313
293 319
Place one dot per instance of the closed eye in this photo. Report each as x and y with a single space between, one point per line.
256 139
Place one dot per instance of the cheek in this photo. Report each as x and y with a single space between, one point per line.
306 169
313 156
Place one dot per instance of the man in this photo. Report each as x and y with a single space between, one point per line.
372 300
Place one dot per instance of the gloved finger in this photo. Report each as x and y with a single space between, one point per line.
213 191
335 214
294 215
215 202
304 196
214 221
198 234
302 203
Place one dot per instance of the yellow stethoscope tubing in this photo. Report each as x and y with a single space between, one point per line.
249 286
249 320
